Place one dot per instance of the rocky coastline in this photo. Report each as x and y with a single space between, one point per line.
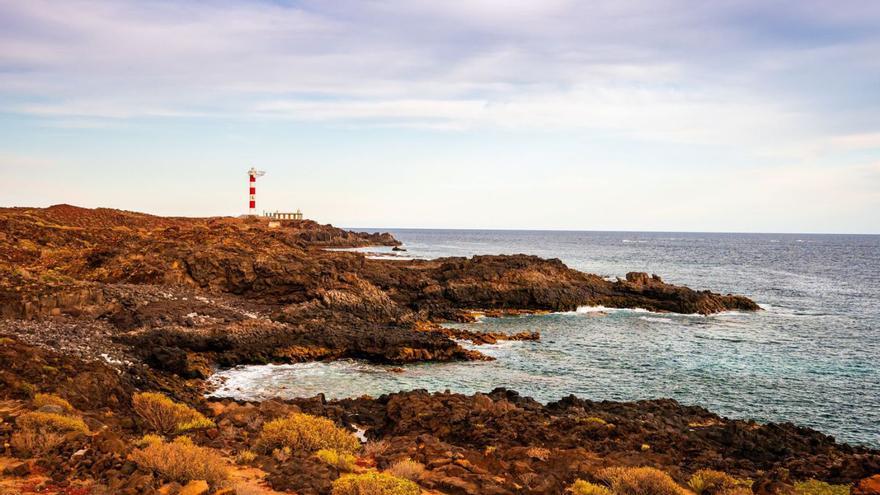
101 305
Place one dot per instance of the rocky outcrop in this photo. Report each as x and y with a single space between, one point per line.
189 293
497 442
501 442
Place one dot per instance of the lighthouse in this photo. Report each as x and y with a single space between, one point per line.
253 173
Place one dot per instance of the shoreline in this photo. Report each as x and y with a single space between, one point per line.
101 305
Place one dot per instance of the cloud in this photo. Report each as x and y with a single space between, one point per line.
663 70
861 141
712 113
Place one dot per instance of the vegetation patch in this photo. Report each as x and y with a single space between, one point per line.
41 400
816 487
182 461
640 481
581 487
374 483
306 433
711 482
407 469
342 461
245 457
40 432
166 416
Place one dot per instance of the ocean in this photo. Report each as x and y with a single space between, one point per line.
812 357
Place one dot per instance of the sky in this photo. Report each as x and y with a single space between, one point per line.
742 116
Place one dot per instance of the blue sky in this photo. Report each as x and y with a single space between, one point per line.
555 114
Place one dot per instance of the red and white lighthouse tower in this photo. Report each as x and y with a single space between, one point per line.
252 185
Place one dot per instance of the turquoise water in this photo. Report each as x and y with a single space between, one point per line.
811 357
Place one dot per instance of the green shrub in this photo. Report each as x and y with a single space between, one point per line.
305 433
581 487
182 461
816 487
374 483
166 416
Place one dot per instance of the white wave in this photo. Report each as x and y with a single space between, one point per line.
605 309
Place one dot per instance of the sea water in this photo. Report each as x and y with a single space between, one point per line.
811 357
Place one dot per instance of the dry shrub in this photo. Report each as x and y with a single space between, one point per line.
539 453
39 432
376 448
743 490
407 469
166 416
41 400
305 433
52 421
528 479
149 439
29 443
245 457
374 483
342 461
282 455
711 482
182 461
640 481
581 487
815 487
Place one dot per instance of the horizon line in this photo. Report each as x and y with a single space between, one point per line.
480 229
490 229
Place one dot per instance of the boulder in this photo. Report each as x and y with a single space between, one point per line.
867 486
